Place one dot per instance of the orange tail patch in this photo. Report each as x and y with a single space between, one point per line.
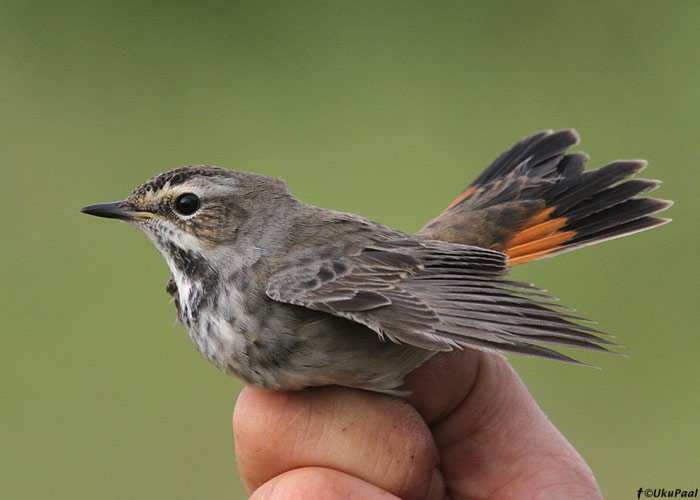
541 237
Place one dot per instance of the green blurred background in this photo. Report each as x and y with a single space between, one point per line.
386 109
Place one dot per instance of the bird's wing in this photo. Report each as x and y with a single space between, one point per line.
435 295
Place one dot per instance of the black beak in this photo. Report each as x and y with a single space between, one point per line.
118 210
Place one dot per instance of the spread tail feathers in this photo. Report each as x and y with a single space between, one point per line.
536 201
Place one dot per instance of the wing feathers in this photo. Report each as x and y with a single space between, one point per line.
437 296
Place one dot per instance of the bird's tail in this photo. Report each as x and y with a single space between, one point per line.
536 201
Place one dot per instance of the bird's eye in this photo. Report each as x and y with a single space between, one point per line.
187 204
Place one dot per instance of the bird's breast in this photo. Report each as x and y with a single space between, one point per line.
218 323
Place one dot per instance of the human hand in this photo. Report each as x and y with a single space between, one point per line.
469 430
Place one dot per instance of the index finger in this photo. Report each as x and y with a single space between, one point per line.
376 438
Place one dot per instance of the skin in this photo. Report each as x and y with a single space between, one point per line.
470 430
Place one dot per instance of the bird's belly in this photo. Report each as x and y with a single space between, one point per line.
298 348
284 347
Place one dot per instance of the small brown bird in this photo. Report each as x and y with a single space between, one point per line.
286 295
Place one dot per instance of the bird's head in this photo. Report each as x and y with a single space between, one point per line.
202 214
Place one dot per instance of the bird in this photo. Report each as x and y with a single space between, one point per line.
285 295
